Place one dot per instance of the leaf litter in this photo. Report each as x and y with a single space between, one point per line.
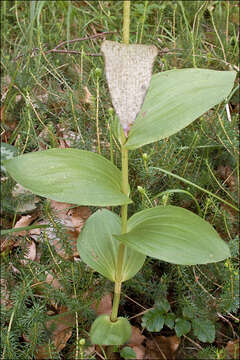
72 220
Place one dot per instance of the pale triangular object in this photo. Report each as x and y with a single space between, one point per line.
128 72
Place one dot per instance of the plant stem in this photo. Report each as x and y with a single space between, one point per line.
121 249
97 118
124 208
126 21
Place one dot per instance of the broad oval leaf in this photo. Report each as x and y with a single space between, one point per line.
106 332
175 98
69 175
174 235
98 248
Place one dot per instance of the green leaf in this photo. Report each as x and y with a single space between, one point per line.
105 332
163 305
188 312
153 320
175 98
204 330
128 353
169 320
182 327
98 249
69 175
175 235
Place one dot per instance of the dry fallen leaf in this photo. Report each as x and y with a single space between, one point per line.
61 211
88 99
162 348
79 215
104 306
139 350
53 281
60 327
136 338
31 252
227 175
72 245
61 338
233 349
73 220
24 221
6 243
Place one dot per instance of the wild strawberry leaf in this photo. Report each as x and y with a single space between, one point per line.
204 330
182 326
153 320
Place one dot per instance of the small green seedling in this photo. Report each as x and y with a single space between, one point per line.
113 245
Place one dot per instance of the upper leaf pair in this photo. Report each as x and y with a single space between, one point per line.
174 98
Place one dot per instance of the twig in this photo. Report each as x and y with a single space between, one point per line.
159 349
229 323
85 38
56 50
139 314
193 342
71 52
135 302
75 52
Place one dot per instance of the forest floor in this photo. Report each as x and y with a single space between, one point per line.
54 95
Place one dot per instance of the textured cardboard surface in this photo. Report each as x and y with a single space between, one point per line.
128 72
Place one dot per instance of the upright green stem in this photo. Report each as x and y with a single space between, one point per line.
126 21
121 249
124 208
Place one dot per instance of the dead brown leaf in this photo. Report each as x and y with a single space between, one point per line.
60 322
61 211
24 221
6 243
233 349
61 339
104 306
36 231
73 219
60 327
51 280
72 244
162 347
88 99
136 338
226 174
139 350
30 246
79 215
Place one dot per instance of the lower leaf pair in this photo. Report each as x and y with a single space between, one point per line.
167 233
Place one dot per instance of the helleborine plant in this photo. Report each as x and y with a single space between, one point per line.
113 245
